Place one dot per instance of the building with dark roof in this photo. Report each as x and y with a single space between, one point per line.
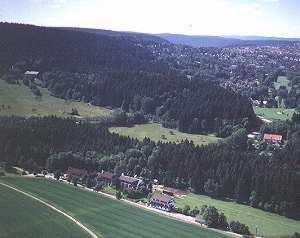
106 177
130 182
71 172
162 201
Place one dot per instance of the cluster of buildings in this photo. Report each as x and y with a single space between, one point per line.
163 200
268 138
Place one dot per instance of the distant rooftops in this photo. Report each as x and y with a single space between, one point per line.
161 198
106 175
272 137
31 73
128 179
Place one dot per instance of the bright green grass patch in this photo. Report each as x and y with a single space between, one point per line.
156 132
274 113
18 100
21 216
269 224
111 218
282 81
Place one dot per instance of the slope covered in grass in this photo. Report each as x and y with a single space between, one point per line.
21 216
109 217
157 133
269 224
18 100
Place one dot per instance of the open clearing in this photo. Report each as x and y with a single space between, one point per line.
269 224
24 217
108 217
18 100
155 132
282 81
274 113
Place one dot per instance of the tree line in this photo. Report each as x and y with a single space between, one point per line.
224 170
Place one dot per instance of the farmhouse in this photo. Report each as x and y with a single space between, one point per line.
130 182
106 177
273 138
31 74
75 172
162 201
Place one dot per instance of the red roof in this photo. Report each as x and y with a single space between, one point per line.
76 172
106 175
272 137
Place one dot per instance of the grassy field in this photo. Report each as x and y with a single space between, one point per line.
108 217
18 100
269 224
274 113
21 216
155 132
282 81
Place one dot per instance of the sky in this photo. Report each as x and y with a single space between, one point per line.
191 17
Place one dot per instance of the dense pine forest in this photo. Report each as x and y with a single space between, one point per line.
120 72
226 170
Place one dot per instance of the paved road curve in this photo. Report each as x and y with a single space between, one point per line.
91 234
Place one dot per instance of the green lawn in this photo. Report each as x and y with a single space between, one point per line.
18 100
269 224
155 131
108 217
21 216
282 81
274 113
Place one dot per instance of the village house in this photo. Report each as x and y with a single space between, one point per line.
162 201
31 75
106 176
130 182
272 138
71 172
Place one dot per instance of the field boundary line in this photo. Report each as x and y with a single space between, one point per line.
87 230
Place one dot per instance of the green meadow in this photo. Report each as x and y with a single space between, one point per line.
156 132
108 217
269 224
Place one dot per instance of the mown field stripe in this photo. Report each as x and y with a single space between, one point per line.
88 231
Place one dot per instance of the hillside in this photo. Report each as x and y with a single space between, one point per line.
34 220
135 36
156 133
119 73
200 41
109 217
230 167
223 41
268 224
18 100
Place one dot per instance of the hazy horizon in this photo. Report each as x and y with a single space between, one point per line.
229 18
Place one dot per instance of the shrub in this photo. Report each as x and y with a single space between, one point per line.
119 195
240 228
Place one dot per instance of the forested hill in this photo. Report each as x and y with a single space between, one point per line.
119 72
69 50
135 36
